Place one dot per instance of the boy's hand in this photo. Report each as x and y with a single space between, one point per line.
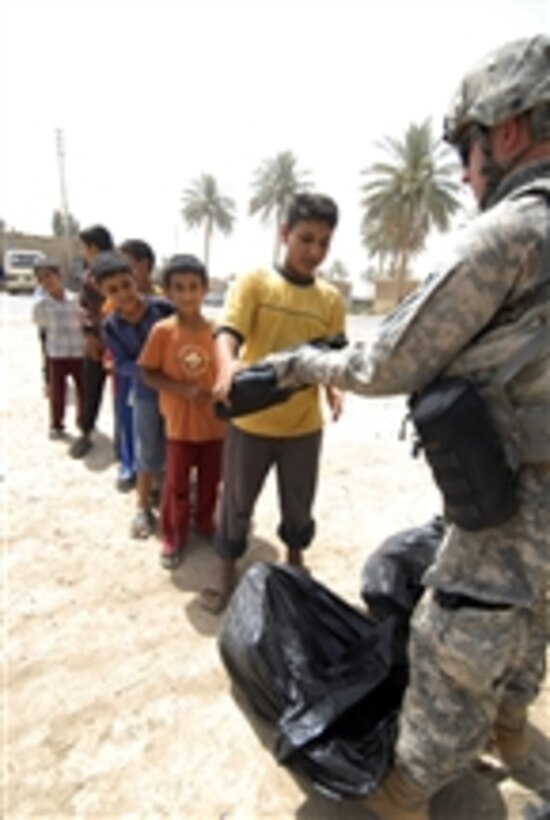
201 395
335 401
94 347
193 392
222 386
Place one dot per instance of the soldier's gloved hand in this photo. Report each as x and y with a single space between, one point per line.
294 367
347 369
299 366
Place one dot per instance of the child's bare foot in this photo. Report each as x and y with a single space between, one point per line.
215 600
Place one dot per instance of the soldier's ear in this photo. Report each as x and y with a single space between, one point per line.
510 137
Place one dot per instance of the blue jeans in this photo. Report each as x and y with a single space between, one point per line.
149 441
124 426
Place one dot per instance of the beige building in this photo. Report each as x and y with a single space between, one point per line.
55 247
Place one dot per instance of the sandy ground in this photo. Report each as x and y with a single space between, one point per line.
116 702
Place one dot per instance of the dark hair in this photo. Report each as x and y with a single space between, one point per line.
184 263
109 264
315 207
140 250
98 236
46 264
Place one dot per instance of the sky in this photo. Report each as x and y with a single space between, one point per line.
150 94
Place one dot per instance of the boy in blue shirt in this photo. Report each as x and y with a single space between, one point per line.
124 332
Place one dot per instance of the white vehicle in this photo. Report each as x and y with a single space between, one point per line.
19 270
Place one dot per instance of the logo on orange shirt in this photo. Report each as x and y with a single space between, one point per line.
192 360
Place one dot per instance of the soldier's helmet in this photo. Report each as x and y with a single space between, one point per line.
509 81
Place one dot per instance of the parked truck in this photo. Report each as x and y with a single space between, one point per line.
19 270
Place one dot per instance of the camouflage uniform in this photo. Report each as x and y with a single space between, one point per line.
468 319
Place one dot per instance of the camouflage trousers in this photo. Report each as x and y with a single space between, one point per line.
464 663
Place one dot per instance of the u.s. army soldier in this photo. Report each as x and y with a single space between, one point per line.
477 647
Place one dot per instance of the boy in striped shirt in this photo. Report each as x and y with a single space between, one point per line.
58 314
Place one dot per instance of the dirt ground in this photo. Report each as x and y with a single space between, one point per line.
116 702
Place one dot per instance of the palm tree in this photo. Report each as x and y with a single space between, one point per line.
275 182
203 204
58 224
379 241
405 196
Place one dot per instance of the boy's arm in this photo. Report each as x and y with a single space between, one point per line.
91 300
226 349
335 401
161 382
334 396
38 314
125 363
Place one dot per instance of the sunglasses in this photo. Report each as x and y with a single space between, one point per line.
466 142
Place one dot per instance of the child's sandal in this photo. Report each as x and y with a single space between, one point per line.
143 524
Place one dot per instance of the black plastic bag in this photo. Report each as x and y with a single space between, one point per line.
320 672
391 580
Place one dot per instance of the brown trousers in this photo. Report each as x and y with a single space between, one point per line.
59 371
247 460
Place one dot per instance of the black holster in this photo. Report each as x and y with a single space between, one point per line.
465 454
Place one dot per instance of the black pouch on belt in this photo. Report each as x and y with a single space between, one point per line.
465 454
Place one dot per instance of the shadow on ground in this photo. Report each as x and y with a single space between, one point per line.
198 570
102 455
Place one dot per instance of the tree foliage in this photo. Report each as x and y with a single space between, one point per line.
275 182
58 226
412 190
205 205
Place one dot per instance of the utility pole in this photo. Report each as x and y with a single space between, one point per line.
60 149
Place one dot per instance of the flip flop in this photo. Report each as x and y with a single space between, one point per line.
80 447
143 524
171 560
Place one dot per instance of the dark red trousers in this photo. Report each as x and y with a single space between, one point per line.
175 513
59 370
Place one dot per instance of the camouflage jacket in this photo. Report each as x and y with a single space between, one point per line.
467 319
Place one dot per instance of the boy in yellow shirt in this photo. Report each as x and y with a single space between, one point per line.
268 310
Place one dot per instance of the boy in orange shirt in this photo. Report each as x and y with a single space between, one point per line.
178 361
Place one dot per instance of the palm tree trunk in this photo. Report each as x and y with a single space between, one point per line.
402 275
277 244
207 238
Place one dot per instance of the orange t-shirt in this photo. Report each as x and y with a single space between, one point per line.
184 355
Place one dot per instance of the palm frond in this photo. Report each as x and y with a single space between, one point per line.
274 183
408 191
202 200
